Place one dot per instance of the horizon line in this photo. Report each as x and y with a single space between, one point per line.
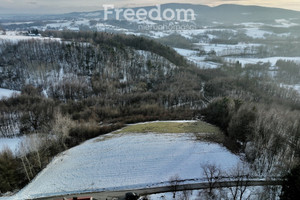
141 6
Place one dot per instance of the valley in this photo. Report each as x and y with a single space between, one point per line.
91 105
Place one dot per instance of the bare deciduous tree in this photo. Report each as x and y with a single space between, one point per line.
240 175
61 127
212 174
174 182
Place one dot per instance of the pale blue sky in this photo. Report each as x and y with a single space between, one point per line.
64 6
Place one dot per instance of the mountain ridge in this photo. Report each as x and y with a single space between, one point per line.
175 5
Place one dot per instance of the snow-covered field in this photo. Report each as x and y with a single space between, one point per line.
227 49
192 56
7 93
271 60
186 52
256 33
12 36
15 36
126 161
10 143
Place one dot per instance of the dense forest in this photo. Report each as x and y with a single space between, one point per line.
90 83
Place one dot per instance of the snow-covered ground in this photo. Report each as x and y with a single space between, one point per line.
186 52
7 93
294 87
223 50
15 36
257 33
125 161
192 195
24 144
192 56
227 49
10 143
284 23
251 193
271 60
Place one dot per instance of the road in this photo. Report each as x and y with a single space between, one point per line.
111 195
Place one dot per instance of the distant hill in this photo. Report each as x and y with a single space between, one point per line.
226 13
237 13
205 15
231 13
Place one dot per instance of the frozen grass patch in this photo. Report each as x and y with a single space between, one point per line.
171 127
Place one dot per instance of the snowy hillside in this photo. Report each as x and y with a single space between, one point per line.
119 161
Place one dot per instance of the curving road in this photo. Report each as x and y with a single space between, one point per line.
111 195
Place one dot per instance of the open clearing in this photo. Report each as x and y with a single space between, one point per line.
171 127
10 143
124 160
5 93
